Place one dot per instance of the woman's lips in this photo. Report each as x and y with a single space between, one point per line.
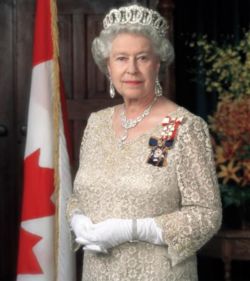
129 82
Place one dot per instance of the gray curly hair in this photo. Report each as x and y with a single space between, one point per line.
101 45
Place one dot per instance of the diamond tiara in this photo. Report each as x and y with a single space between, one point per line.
135 14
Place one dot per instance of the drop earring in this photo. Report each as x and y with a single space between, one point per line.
158 88
111 89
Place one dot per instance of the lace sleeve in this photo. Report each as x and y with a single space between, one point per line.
73 205
199 216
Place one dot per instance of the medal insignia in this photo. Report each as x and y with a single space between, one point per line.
160 146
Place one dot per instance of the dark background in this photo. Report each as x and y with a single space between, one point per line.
220 20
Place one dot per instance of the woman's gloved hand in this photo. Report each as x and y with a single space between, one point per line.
81 225
109 233
113 232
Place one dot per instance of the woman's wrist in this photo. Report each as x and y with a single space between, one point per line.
146 230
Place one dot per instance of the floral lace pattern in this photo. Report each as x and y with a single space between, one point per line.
182 197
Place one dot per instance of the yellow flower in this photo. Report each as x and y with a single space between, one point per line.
219 155
226 72
228 172
225 64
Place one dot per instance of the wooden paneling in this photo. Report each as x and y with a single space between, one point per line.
94 89
80 61
66 52
166 8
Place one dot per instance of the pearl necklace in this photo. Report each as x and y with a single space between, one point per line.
131 123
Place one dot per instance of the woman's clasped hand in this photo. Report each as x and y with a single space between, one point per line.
112 232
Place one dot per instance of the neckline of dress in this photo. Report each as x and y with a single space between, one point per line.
147 133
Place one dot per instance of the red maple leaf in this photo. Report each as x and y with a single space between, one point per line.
37 192
38 189
27 261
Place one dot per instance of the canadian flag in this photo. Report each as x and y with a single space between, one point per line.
44 241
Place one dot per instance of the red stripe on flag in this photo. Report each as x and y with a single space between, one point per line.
38 189
43 47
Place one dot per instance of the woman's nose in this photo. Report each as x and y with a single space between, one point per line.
132 66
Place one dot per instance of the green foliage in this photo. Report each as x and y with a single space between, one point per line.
231 195
225 69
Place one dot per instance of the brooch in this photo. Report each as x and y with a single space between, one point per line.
161 146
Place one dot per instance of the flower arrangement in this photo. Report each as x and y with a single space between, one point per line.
226 71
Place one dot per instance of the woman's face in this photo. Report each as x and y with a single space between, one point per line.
133 66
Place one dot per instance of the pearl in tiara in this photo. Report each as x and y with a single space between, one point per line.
135 14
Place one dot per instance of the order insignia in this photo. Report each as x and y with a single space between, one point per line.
160 146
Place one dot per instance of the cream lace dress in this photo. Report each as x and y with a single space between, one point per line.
183 197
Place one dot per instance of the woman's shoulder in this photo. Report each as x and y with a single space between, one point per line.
188 117
191 125
175 111
103 115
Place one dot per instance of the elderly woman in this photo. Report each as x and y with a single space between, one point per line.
145 196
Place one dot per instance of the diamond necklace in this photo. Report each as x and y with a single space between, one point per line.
131 123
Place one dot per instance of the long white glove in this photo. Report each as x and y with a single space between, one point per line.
81 225
113 232
148 231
